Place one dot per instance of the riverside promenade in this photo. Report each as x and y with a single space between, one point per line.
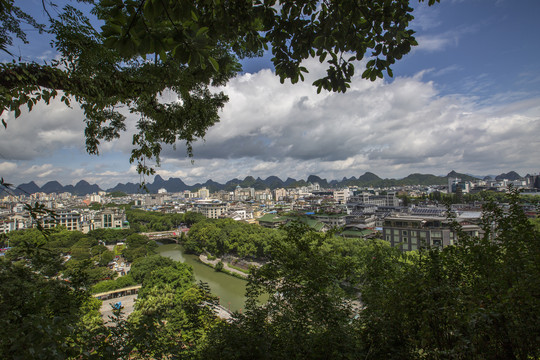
226 267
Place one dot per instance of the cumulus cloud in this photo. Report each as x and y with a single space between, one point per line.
39 170
43 130
267 128
389 128
7 167
435 43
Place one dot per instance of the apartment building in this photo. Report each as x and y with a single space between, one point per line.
332 220
71 219
109 219
389 199
280 194
411 232
342 196
212 210
244 194
263 195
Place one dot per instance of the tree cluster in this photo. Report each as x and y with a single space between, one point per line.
146 221
226 236
83 256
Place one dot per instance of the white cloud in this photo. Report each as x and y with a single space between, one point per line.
435 42
36 170
267 128
7 167
43 130
388 128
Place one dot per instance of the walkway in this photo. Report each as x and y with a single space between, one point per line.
226 267
128 304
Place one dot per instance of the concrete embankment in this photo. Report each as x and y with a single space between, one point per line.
204 259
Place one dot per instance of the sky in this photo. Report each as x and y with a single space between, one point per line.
466 99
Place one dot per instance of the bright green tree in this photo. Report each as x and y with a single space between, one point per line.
46 312
479 299
310 309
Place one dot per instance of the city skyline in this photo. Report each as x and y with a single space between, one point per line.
467 98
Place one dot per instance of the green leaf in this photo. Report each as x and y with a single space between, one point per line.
214 63
201 31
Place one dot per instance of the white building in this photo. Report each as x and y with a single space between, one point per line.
342 196
203 193
212 210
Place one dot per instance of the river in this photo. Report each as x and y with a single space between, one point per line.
231 290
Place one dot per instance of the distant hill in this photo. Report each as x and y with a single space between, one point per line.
463 177
173 185
512 175
52 187
369 177
315 179
212 186
129 188
84 188
424 179
273 182
28 188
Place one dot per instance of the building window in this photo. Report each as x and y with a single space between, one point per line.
404 232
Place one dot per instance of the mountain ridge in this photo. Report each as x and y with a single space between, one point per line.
273 182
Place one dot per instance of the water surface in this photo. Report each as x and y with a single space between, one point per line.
230 290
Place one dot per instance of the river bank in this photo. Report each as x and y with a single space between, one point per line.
226 267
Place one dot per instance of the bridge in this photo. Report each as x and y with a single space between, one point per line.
113 294
157 235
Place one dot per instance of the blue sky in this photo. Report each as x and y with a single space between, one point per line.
467 98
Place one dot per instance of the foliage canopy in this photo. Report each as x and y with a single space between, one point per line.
328 297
